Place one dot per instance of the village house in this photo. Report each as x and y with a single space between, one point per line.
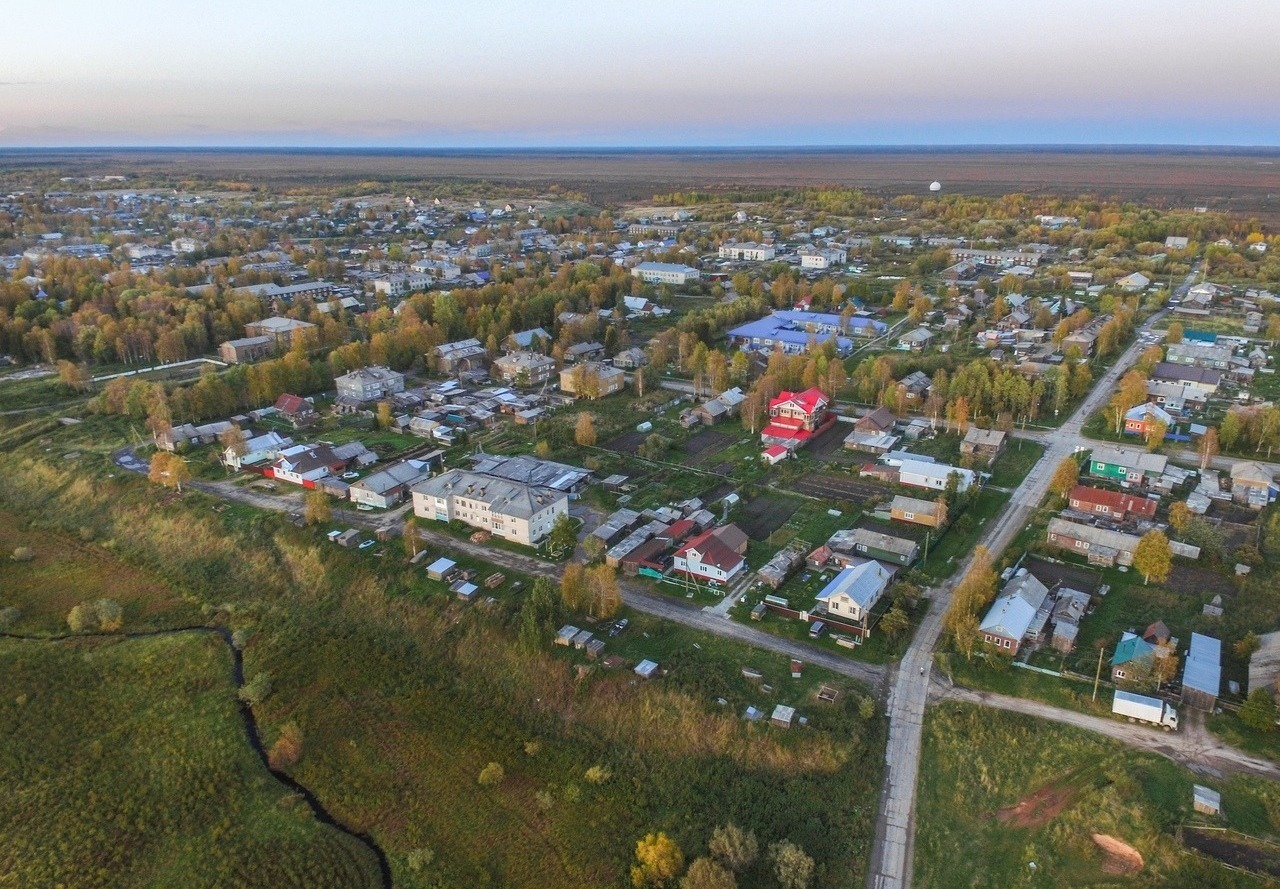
1126 465
1195 354
296 410
1205 379
930 513
1143 418
188 434
916 340
983 445
524 368
511 510
852 594
1252 484
387 487
934 476
1132 660
256 449
914 387
527 340
1018 615
795 418
1099 545
873 433
1112 505
727 404
872 544
306 464
794 332
714 555
584 352
630 359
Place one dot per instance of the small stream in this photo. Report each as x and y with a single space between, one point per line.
318 811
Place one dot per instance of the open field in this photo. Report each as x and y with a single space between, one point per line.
1244 181
131 757
403 695
1003 790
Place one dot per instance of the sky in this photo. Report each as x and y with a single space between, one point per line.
560 73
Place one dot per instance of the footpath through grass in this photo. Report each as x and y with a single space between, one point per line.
132 768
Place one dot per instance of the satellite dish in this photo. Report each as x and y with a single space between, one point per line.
935 186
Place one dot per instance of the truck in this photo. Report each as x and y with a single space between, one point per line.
1141 708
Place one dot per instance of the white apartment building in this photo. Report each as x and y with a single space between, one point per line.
400 285
748 252
665 273
511 510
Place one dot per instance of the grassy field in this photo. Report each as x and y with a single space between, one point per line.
1013 465
133 768
1002 791
403 694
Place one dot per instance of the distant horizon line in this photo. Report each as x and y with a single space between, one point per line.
903 148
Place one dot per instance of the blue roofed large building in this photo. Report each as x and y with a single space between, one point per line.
793 331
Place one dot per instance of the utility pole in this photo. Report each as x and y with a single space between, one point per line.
1097 677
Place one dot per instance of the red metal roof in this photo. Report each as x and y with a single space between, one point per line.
810 400
1113 500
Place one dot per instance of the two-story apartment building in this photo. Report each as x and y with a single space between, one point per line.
796 417
748 251
665 273
369 383
524 368
511 510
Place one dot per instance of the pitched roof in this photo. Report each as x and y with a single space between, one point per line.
711 551
863 584
1113 500
292 404
810 400
1132 647
1203 671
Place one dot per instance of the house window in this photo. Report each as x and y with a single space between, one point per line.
1119 674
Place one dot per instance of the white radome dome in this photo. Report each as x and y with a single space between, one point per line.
935 186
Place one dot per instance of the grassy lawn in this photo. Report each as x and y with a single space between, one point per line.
1001 790
1012 466
1227 725
995 673
131 756
959 539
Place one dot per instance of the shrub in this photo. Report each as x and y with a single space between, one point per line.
81 619
532 748
707 874
658 859
733 847
420 859
8 617
110 615
598 775
287 748
23 554
257 689
791 865
492 775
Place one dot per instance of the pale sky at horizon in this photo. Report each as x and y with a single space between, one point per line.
397 73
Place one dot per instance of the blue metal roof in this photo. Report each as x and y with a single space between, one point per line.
1204 665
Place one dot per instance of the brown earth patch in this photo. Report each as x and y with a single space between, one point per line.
1039 808
1237 851
1119 858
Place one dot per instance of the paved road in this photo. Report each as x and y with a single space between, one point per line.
891 855
635 595
1192 746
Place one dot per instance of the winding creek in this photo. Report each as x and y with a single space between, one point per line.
318 810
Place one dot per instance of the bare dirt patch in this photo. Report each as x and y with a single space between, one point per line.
764 515
1072 576
705 445
1039 808
839 487
626 444
1119 858
1200 580
1251 855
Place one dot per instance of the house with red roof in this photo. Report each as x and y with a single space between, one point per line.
714 555
296 410
795 418
1110 504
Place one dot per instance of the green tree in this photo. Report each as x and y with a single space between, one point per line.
1153 557
1259 710
791 865
707 874
1246 645
658 861
1155 433
81 618
1175 333
541 614
895 622
564 533
734 847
